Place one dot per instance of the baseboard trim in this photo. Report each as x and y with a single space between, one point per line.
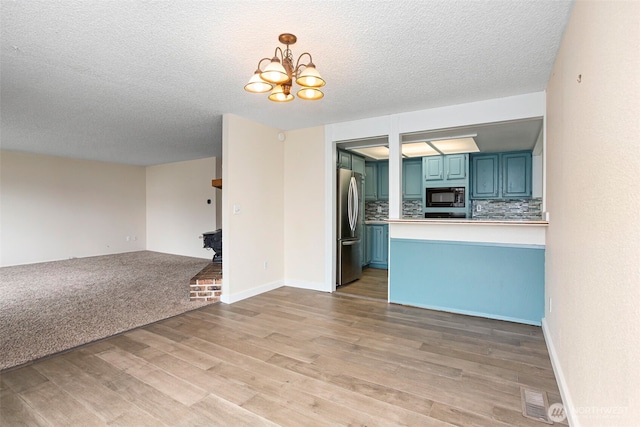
314 286
557 370
239 296
465 312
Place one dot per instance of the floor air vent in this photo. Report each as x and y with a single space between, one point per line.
535 405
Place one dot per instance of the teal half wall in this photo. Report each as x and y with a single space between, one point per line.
491 280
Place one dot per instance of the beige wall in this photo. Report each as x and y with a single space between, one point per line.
253 182
56 208
304 210
592 319
177 209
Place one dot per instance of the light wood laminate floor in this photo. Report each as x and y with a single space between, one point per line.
374 284
290 357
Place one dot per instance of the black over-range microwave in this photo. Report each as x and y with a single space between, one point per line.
445 197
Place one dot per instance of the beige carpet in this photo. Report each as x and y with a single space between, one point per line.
49 307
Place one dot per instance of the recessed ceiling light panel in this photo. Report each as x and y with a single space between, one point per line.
377 153
455 146
418 149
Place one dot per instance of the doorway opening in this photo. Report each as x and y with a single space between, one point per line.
368 161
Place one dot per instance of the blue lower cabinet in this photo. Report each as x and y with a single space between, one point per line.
503 282
367 245
378 245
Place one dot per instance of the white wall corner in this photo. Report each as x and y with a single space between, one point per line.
330 207
560 378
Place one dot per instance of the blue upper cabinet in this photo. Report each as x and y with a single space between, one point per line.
371 181
501 175
357 164
484 176
383 180
433 168
377 180
344 160
443 171
455 166
350 161
412 179
516 174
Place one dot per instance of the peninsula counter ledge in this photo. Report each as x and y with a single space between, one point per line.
487 268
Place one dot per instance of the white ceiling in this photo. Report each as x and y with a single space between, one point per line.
146 82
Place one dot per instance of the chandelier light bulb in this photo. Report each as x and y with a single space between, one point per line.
274 73
278 95
257 85
310 94
310 77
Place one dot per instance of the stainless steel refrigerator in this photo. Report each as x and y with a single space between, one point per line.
350 226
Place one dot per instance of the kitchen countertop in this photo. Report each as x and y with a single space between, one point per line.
471 221
461 221
376 222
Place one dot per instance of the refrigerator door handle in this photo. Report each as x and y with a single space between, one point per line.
356 208
350 242
352 204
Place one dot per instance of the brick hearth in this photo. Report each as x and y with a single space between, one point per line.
207 285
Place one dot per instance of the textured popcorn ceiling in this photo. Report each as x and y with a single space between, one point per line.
146 82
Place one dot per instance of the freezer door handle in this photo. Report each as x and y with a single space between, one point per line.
350 242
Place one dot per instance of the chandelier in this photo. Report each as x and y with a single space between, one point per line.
279 74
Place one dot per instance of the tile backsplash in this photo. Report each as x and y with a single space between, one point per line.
524 209
515 209
410 209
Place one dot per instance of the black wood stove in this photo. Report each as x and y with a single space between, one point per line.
213 240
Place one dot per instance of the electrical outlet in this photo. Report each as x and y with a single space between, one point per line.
379 209
478 208
236 209
266 265
128 238
135 238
